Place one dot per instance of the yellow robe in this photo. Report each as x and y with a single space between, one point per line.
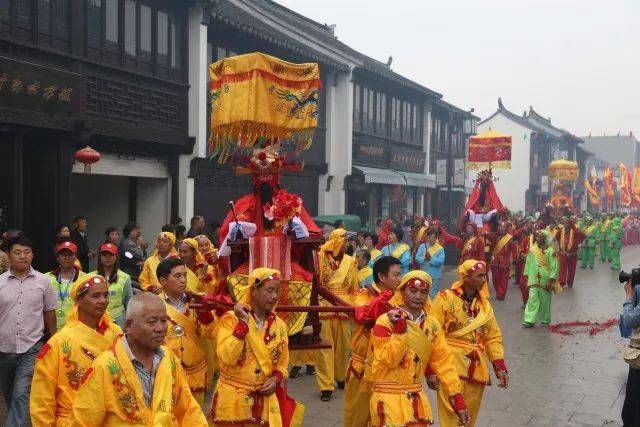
201 285
342 280
205 282
473 340
185 337
399 364
148 276
60 367
357 392
112 395
245 364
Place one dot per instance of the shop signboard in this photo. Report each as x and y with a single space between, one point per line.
458 172
404 159
37 89
441 172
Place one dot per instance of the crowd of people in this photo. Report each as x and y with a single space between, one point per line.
142 338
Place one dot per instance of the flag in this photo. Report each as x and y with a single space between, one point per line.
636 185
593 194
489 150
609 184
625 185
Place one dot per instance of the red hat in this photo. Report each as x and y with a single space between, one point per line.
69 246
108 247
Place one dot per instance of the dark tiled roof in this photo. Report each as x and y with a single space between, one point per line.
383 71
444 104
545 122
325 34
534 122
233 15
521 120
236 17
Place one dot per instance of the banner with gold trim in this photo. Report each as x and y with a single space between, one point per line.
489 150
258 95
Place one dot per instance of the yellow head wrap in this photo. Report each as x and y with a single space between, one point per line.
210 247
468 267
197 255
417 277
79 288
257 276
172 239
335 242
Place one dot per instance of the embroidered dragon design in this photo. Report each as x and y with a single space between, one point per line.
297 104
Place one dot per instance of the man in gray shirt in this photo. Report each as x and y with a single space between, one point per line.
27 318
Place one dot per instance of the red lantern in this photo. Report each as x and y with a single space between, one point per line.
87 156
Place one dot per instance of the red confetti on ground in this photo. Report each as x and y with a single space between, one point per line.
582 327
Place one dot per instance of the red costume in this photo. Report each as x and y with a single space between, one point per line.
470 248
249 207
504 250
482 200
568 244
383 236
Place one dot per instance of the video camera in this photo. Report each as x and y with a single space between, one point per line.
634 276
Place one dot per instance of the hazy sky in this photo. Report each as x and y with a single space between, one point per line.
576 61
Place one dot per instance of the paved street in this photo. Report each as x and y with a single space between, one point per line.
556 380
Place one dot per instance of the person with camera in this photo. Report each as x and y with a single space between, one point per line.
631 320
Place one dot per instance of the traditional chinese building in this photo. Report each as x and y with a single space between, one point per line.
111 74
389 152
450 129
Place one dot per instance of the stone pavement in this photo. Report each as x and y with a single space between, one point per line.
556 380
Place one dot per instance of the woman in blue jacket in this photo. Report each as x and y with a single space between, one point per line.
430 256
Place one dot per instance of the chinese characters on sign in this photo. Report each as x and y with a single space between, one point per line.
36 90
458 172
17 85
371 154
441 172
544 183
407 160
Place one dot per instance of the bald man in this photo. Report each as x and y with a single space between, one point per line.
139 381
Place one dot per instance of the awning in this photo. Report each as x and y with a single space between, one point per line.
381 176
122 165
419 179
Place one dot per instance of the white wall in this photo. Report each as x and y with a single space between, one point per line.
198 78
153 207
338 145
512 183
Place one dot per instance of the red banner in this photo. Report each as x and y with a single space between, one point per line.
489 149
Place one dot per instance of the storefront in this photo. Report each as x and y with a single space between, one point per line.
90 78
386 182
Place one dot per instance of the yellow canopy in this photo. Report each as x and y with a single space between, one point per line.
490 149
488 134
563 170
563 164
260 96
